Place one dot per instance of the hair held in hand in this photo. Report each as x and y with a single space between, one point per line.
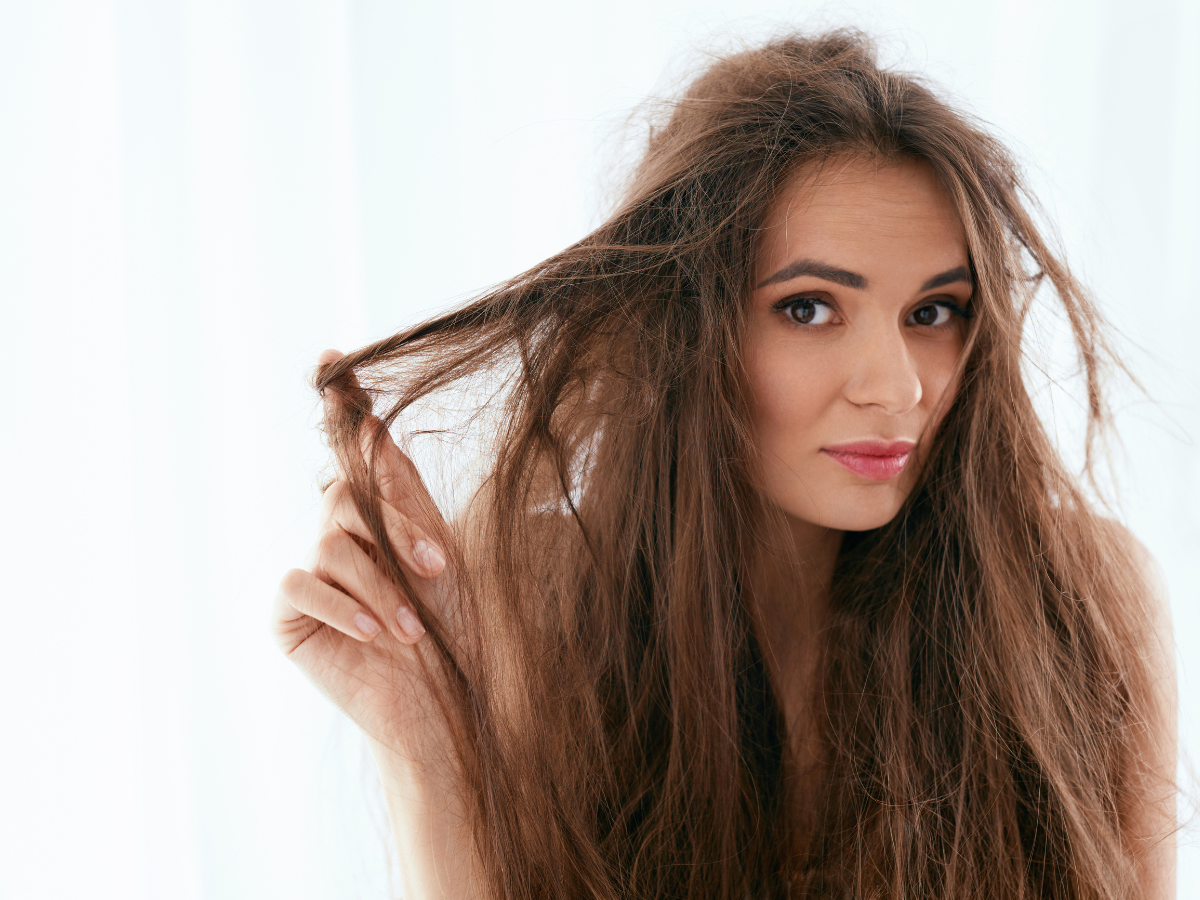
615 720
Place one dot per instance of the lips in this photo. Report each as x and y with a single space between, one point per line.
876 460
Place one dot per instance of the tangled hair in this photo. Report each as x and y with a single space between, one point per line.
615 720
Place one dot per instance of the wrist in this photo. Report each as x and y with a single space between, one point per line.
432 823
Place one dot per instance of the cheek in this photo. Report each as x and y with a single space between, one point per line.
789 399
939 380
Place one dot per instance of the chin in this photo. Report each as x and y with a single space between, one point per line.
854 513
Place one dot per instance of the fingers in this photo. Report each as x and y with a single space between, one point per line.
344 588
399 481
395 469
346 386
343 391
313 599
339 561
411 543
348 382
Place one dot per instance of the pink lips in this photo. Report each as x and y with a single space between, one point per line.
877 460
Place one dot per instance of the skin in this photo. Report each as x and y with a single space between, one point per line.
876 358
831 359
854 359
853 346
359 641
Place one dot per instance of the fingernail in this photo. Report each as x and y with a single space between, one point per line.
409 623
366 624
428 557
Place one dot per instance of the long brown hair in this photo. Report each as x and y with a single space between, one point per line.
617 724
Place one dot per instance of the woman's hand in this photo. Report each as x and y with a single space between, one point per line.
358 638
340 619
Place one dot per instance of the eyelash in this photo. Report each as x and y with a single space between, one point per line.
782 306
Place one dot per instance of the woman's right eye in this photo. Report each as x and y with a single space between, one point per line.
807 310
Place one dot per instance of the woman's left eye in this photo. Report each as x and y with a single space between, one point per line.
934 314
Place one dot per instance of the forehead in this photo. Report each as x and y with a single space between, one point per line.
852 207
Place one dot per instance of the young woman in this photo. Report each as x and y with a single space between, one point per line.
775 586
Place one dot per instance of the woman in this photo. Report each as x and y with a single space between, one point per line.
775 585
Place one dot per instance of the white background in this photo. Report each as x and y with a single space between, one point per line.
196 196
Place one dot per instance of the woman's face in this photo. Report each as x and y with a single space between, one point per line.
854 329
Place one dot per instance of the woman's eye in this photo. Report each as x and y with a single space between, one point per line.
809 311
932 314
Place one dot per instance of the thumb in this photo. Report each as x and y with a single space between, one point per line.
340 395
399 481
328 357
343 389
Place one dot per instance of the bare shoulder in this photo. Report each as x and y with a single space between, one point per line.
1148 802
1150 605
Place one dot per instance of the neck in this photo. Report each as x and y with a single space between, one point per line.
794 571
789 597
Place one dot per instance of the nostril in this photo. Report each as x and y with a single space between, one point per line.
885 377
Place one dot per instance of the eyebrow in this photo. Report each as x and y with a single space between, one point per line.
817 270
950 276
849 279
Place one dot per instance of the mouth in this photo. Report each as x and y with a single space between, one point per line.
875 460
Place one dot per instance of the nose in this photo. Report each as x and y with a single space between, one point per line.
884 373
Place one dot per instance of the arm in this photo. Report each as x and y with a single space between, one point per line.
352 631
376 675
432 830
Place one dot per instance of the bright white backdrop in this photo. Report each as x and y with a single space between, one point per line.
196 196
